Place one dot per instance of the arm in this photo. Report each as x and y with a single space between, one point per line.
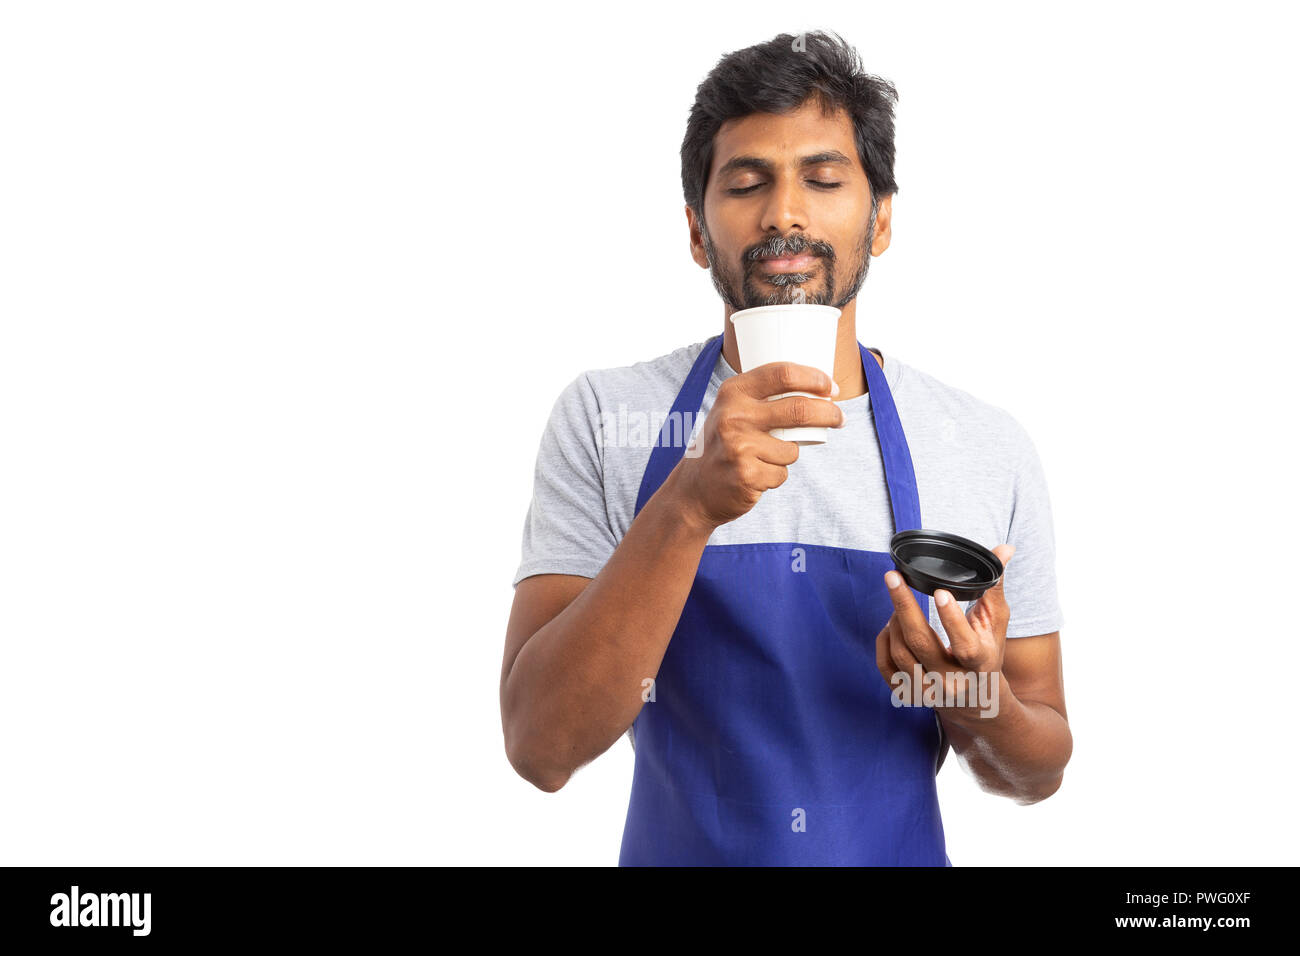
1022 752
578 650
1019 744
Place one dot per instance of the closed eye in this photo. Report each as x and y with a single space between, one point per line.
812 182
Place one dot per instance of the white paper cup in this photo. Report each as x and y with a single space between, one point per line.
800 333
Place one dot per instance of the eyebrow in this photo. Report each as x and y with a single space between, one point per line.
827 157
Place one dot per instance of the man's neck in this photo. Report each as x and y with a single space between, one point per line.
849 373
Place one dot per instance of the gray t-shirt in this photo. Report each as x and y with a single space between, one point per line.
977 474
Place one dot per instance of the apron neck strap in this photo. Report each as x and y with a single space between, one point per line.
894 452
664 457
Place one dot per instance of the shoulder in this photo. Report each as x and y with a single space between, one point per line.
644 383
944 412
594 399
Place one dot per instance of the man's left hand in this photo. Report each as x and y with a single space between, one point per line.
976 640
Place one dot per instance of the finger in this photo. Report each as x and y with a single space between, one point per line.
769 476
1004 553
884 662
775 450
777 377
795 411
963 642
916 630
902 656
991 609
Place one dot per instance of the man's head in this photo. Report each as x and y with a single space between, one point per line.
789 152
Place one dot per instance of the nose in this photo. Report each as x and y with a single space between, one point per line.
784 210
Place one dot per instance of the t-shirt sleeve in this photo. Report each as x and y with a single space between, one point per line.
1030 583
567 528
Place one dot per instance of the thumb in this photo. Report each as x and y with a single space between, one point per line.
1004 553
995 596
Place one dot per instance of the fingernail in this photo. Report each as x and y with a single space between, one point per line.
893 579
835 387
942 597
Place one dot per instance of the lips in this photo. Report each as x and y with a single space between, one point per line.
799 263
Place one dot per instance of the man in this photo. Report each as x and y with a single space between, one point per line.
732 605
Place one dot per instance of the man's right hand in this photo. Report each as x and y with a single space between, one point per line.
737 459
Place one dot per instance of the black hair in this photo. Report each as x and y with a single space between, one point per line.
779 76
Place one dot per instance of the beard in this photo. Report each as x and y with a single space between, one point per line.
740 287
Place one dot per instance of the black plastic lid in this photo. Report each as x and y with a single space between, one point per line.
929 560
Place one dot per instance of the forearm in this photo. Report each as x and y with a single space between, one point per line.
1021 753
577 684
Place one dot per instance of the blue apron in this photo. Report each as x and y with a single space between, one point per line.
772 739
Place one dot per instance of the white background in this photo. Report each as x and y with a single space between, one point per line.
288 291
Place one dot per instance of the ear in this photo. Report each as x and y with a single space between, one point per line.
697 240
883 214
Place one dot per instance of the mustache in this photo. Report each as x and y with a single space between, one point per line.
789 246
